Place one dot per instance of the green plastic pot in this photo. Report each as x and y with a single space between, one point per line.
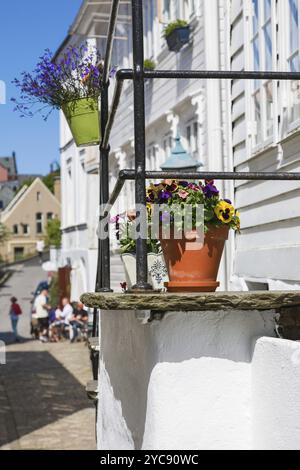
83 119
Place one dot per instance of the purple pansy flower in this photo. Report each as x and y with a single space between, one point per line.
210 190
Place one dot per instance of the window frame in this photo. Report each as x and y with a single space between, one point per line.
39 221
26 233
194 146
285 55
255 88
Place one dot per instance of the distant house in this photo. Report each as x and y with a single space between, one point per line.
11 180
9 168
3 174
26 218
7 193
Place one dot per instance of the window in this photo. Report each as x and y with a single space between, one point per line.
152 162
39 223
189 8
25 229
15 229
168 144
38 196
167 10
263 30
49 215
149 11
192 138
293 58
1 205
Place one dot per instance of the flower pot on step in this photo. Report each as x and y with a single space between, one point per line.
193 266
83 119
157 271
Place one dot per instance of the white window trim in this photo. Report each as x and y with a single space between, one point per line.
266 142
284 55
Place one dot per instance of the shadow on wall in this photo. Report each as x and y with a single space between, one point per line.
132 351
35 391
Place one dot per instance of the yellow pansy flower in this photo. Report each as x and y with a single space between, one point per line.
225 212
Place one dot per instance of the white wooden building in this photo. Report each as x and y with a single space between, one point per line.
265 137
240 125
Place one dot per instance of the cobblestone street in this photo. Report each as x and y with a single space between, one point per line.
43 403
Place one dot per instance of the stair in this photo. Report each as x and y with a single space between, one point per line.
92 390
117 273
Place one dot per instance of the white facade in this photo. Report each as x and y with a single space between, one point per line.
266 124
240 126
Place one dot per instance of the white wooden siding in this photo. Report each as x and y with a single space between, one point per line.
269 244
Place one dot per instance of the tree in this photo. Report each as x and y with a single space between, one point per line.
4 233
53 231
49 180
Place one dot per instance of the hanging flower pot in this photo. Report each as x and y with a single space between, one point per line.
192 257
73 82
192 265
177 34
83 119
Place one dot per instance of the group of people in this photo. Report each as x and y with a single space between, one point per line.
52 324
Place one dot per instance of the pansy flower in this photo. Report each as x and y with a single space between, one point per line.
210 189
171 185
224 212
165 195
194 187
184 184
183 194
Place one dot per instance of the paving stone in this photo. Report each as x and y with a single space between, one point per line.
43 402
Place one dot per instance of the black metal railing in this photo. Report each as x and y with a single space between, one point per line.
138 75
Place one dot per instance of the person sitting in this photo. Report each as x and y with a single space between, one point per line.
55 327
79 321
67 315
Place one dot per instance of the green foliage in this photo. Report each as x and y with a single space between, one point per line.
126 235
53 230
54 294
174 25
149 64
49 180
4 233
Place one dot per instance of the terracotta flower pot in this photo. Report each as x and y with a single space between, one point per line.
194 266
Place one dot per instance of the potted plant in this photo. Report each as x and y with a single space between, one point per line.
149 65
72 83
157 271
193 263
177 34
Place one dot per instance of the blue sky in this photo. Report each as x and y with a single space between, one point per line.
26 29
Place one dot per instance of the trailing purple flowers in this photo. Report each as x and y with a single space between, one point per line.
76 74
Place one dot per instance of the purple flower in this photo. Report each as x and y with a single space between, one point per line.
53 84
165 195
210 190
228 201
184 184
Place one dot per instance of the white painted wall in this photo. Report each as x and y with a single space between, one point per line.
276 398
191 382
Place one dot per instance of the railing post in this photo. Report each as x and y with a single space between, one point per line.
140 142
103 265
